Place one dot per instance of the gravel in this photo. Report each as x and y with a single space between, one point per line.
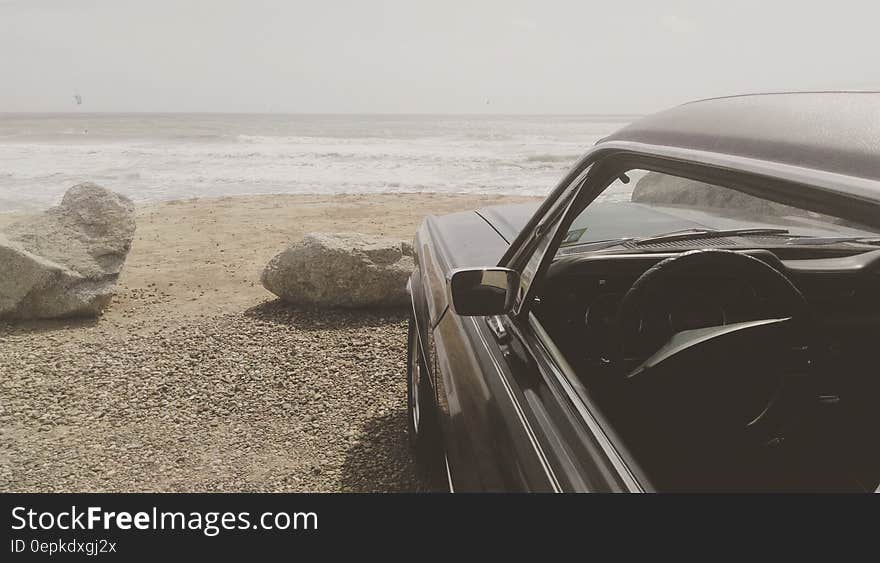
272 399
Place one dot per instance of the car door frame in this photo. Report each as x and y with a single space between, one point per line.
509 420
581 451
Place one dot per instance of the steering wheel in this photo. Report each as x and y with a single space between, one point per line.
751 376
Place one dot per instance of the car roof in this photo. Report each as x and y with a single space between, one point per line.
836 132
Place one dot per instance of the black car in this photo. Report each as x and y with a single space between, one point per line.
694 307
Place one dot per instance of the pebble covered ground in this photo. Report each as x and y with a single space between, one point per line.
195 379
271 399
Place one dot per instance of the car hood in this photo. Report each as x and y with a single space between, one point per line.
508 220
464 240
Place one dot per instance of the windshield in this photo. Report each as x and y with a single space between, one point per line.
643 205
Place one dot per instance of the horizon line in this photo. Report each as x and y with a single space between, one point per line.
177 112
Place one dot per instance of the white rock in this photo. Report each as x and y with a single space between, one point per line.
663 189
348 270
66 261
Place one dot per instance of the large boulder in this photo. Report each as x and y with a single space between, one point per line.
663 189
65 262
348 270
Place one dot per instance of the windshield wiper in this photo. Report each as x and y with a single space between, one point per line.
689 234
819 241
686 234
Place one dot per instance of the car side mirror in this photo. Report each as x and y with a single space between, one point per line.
482 291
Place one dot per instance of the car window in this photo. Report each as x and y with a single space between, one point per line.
645 204
548 228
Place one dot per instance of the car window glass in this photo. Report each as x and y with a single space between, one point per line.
644 204
548 228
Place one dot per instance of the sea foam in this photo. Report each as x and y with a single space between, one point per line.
161 157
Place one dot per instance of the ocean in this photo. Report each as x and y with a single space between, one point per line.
154 157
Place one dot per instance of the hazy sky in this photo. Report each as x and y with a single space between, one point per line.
424 56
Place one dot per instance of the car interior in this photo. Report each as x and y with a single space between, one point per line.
726 359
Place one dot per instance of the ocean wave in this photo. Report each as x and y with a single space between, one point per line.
552 158
199 137
308 140
155 158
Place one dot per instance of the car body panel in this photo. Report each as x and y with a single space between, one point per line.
494 447
452 241
474 403
508 220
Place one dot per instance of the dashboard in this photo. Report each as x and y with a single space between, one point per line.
690 302
581 299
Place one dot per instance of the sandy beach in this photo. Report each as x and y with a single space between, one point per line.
197 379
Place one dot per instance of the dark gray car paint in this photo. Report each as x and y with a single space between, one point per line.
836 132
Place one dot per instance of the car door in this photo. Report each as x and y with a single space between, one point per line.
513 424
515 421
490 444
516 426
